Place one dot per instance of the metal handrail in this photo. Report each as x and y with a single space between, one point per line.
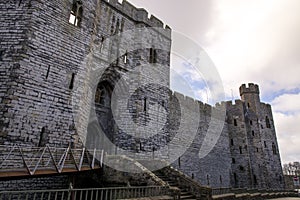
33 159
221 191
88 194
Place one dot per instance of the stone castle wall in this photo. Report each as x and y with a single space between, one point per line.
51 70
45 70
246 153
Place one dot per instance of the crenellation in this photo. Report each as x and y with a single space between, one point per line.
156 22
137 14
252 88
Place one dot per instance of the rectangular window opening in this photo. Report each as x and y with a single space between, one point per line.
76 13
145 104
48 71
71 85
153 55
235 122
125 58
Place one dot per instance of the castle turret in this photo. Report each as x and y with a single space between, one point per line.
250 95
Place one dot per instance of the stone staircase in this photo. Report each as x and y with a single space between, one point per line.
184 194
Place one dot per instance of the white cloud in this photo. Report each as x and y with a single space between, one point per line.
288 135
287 103
257 41
287 117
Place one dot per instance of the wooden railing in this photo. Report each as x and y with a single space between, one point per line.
19 161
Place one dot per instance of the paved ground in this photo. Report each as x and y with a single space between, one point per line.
288 198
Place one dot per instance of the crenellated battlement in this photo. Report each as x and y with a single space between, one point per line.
252 88
137 14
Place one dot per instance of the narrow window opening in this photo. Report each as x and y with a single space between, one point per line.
145 104
179 162
280 179
235 122
257 150
255 179
235 178
192 175
112 28
43 138
207 178
122 24
241 168
231 142
71 85
153 55
117 27
246 147
1 55
274 149
141 146
48 71
221 180
241 150
253 133
265 144
101 45
76 13
268 125
125 58
233 160
100 95
248 104
251 122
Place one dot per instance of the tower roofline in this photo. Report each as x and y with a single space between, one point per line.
252 88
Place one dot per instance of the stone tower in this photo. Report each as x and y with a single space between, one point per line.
253 143
264 153
48 55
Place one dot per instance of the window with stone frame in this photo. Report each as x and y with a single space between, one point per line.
43 137
76 13
71 83
100 96
268 125
153 55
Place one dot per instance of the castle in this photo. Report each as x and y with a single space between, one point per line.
52 51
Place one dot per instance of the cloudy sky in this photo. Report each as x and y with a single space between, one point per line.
249 41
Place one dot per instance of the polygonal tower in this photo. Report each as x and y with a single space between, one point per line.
263 150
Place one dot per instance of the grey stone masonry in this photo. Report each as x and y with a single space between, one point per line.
246 154
62 68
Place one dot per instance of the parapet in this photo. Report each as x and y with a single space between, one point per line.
252 88
137 14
